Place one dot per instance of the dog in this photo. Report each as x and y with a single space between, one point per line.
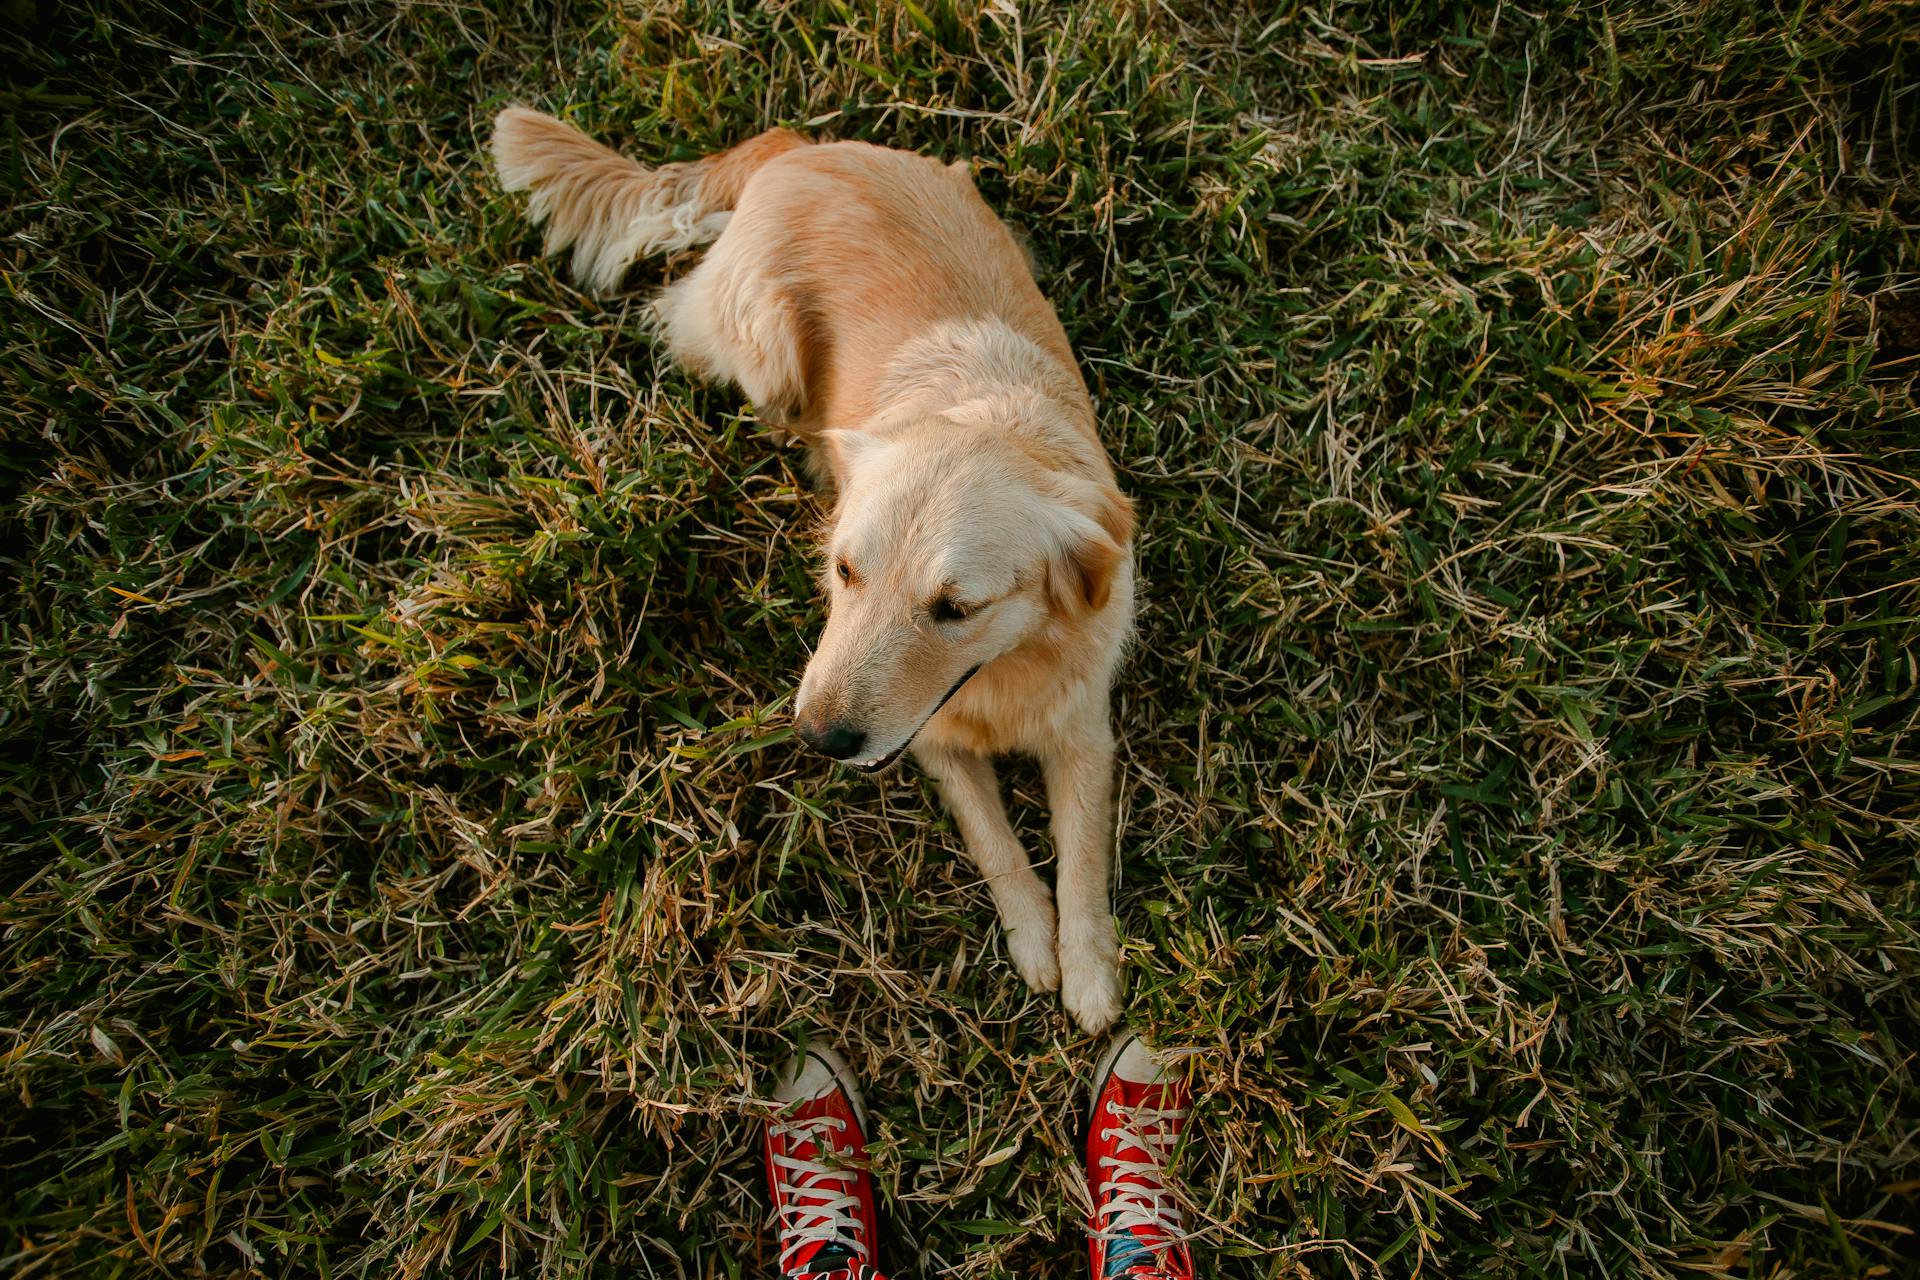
978 558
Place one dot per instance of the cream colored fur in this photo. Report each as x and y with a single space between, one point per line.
868 300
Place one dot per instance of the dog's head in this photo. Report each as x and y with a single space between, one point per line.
951 546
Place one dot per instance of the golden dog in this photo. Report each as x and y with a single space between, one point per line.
979 563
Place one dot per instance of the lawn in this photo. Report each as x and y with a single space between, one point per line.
408 869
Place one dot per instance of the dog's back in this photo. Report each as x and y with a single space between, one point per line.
829 257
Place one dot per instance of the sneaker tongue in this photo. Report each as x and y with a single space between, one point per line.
832 1256
1127 1256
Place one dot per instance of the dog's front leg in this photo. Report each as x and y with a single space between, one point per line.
1079 773
972 792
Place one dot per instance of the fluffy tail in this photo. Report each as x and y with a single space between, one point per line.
611 210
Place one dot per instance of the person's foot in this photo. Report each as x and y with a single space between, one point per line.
823 1210
1140 1107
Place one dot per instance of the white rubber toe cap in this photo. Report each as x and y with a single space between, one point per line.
818 1072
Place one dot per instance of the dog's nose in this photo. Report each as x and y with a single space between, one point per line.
840 740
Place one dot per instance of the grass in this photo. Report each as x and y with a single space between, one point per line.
407 868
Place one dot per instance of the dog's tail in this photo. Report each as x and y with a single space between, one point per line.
611 210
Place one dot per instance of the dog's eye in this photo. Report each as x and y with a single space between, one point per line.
844 569
947 609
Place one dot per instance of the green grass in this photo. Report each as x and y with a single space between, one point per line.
407 870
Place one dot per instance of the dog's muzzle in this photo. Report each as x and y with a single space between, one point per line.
880 763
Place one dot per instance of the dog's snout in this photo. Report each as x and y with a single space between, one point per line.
839 739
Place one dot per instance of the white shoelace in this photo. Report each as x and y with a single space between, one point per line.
1138 1198
815 1200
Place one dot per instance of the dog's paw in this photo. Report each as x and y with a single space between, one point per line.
1090 986
1033 955
1031 948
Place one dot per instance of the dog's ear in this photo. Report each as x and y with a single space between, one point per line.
1082 575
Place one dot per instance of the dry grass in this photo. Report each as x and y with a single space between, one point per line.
407 869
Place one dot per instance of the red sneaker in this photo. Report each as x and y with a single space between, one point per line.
817 1176
1140 1107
